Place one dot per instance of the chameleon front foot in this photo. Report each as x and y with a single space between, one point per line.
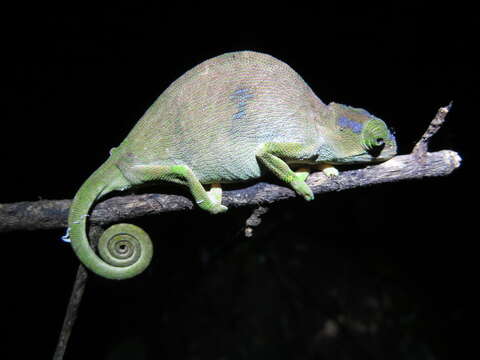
211 206
270 154
329 170
302 189
215 209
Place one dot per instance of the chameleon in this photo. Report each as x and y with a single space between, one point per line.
231 118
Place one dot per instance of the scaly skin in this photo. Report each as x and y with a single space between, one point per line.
229 119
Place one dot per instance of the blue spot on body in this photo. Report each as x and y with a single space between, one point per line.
353 125
240 97
240 92
239 114
343 121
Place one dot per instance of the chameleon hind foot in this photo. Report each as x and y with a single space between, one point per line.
329 170
217 209
215 195
179 174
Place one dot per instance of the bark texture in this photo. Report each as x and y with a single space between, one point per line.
51 214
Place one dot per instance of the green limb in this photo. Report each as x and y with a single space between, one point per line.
303 173
271 155
181 174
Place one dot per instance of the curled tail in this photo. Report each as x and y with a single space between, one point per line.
125 250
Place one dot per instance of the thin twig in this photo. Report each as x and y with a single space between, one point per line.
75 300
421 147
254 220
72 311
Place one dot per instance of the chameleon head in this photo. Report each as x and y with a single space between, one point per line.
361 137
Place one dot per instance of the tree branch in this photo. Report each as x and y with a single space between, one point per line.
52 214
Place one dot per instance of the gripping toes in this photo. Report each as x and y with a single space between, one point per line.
271 154
329 170
215 197
211 206
302 189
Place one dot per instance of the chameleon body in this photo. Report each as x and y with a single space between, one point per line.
229 119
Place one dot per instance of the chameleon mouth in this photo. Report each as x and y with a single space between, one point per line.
384 154
375 151
382 150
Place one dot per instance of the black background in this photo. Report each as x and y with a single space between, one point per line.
78 78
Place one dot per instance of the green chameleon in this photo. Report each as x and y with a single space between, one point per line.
229 119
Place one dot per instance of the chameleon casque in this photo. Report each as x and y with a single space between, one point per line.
229 119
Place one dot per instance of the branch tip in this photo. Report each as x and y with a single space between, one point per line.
421 147
254 220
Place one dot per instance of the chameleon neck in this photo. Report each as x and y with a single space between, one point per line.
125 249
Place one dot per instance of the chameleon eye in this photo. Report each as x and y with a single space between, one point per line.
373 136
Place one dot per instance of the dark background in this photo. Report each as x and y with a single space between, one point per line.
375 273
